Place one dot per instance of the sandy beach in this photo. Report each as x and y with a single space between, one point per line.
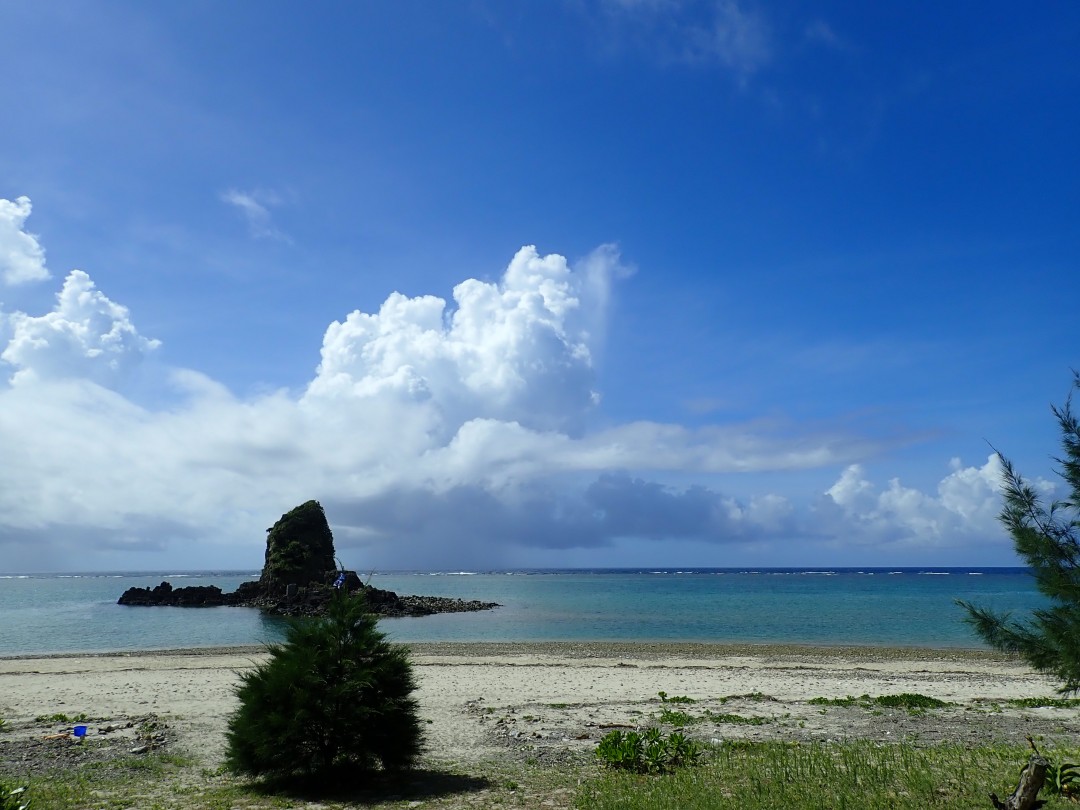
555 700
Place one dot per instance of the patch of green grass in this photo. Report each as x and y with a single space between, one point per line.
750 776
737 719
674 698
905 700
844 701
909 700
1044 702
60 718
677 718
159 765
843 776
164 781
755 696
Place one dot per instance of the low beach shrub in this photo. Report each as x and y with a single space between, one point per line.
664 698
757 697
909 700
844 701
13 798
905 700
60 718
1062 780
648 752
673 717
335 697
1043 703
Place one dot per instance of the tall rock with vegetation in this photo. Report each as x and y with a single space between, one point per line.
299 578
299 550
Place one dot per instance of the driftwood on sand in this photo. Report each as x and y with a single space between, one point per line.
1032 778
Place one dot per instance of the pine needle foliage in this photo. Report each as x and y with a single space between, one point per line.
1047 536
334 699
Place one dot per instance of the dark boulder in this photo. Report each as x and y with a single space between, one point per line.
166 594
388 603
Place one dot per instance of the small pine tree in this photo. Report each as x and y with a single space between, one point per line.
1048 538
335 696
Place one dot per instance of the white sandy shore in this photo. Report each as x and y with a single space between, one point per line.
593 684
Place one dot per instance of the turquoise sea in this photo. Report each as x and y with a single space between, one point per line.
908 607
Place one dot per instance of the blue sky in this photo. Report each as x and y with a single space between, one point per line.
573 282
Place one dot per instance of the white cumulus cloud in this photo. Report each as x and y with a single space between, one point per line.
22 258
86 335
435 432
520 349
965 505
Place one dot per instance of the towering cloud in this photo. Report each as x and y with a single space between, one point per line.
518 350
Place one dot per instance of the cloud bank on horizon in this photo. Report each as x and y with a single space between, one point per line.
435 433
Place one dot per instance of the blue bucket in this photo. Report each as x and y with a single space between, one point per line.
79 731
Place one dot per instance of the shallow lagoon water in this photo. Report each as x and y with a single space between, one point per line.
907 607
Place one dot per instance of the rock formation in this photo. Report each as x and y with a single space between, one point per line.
165 594
298 578
299 549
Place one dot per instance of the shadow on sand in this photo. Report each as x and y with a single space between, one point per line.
368 788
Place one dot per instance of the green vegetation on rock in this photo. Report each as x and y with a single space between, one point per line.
299 548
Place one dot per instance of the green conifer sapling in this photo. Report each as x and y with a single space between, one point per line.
334 698
1047 536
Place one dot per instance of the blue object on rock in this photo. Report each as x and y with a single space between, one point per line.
79 731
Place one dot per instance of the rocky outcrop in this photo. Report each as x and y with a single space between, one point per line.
299 549
309 601
299 578
388 603
165 594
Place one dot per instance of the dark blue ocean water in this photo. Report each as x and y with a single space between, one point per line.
911 607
